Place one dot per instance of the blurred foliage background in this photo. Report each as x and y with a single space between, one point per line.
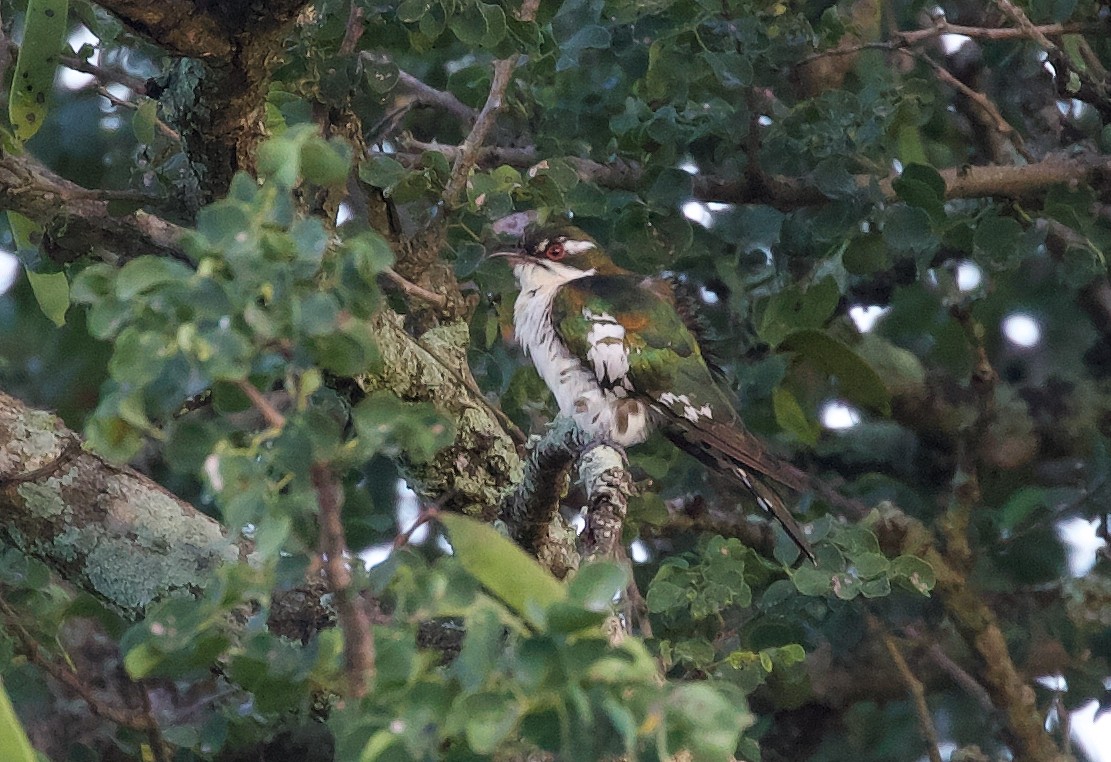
891 217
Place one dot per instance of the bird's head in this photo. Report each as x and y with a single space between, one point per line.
558 253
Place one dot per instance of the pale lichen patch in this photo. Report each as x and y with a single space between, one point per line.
43 499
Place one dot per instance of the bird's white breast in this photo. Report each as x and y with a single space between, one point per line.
595 395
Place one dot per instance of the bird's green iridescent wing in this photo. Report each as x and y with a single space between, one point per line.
630 333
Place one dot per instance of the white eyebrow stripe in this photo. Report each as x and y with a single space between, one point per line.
577 247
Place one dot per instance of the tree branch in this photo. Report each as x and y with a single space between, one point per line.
531 511
467 157
914 687
482 463
66 676
358 638
788 193
181 27
75 222
424 94
605 476
106 529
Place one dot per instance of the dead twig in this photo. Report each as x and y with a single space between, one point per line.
142 723
354 621
72 447
914 687
468 152
414 291
261 404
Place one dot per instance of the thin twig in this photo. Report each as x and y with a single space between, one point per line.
984 102
527 11
69 678
354 30
961 677
358 638
914 687
258 399
414 291
161 750
164 128
6 52
137 84
430 513
1092 89
424 94
997 33
468 151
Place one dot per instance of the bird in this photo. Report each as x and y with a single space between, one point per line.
621 360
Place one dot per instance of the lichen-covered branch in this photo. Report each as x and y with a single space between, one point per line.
482 464
605 476
106 529
531 511
76 221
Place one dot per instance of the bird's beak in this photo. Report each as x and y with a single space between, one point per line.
513 255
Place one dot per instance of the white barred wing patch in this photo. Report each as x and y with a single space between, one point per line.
608 355
602 411
681 404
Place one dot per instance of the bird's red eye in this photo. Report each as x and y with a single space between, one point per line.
555 251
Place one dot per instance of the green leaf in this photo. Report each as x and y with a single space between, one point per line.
503 568
371 253
144 273
922 187
664 595
382 172
382 76
733 71
490 718
494 17
412 10
325 162
13 739
997 241
1019 505
810 580
142 660
858 381
33 81
865 254
790 416
595 585
913 573
926 177
279 160
909 229
51 291
26 233
143 121
869 565
793 308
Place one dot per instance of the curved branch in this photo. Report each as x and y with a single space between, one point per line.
77 221
106 529
788 193
179 26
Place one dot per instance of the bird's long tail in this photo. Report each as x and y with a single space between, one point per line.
739 455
